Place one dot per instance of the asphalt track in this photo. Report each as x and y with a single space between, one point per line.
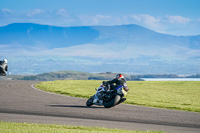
19 102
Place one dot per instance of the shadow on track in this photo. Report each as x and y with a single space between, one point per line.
74 106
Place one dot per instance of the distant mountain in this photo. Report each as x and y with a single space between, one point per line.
48 36
56 37
34 48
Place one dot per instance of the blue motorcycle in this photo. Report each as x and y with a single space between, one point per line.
107 99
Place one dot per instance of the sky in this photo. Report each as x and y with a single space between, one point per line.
175 17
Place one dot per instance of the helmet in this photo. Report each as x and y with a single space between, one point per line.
119 76
5 60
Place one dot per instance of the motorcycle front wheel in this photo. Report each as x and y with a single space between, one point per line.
90 101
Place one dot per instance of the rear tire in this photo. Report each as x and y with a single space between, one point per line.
90 101
112 102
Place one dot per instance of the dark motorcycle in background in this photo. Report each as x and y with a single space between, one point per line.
107 99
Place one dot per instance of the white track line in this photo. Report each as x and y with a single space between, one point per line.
52 92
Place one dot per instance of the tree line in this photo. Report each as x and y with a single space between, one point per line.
75 75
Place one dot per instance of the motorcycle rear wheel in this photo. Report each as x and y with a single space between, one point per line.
112 102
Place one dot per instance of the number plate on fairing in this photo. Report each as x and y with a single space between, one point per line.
123 91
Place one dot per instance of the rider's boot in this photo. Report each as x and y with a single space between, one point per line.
122 100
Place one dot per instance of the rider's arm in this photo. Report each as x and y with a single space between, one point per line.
109 82
112 81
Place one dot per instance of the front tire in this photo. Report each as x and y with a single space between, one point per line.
90 101
112 102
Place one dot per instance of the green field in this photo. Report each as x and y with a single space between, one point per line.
178 95
6 127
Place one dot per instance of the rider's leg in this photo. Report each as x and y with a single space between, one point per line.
107 88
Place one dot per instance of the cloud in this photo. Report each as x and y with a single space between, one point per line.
62 12
95 19
175 25
119 20
147 21
178 19
145 18
34 12
5 10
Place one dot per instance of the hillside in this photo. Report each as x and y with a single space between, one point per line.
56 37
68 75
34 48
76 75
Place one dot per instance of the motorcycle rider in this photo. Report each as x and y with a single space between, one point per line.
3 67
116 82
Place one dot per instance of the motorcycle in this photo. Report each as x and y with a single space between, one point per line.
107 99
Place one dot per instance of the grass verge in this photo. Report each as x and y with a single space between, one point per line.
178 95
7 127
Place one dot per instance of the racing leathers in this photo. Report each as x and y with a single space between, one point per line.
116 82
3 68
